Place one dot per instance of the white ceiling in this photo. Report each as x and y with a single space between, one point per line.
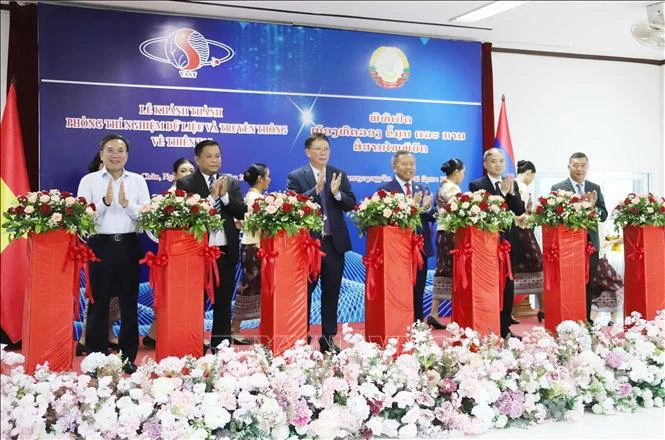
592 28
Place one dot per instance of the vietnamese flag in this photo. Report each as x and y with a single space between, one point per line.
502 139
14 258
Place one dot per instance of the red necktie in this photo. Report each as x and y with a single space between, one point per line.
408 188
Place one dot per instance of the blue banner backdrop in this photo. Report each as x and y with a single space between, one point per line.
166 82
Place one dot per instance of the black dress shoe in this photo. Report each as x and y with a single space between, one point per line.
149 342
327 345
513 321
434 323
241 341
510 334
114 346
129 367
81 350
309 339
541 316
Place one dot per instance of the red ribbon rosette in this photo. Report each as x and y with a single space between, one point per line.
587 252
313 255
417 246
81 255
505 269
268 269
156 263
210 255
372 263
462 263
635 250
550 259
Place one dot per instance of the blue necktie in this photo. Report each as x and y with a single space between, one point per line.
580 191
324 208
218 204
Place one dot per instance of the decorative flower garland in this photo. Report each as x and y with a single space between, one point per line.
462 381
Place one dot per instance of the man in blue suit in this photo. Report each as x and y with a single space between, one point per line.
404 165
329 187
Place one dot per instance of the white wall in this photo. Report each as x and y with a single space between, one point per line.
613 111
4 45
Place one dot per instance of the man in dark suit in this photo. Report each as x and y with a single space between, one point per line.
578 167
404 166
224 191
506 187
329 187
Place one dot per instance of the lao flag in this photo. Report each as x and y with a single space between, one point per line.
502 139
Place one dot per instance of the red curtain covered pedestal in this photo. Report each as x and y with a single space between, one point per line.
476 302
178 296
284 271
564 275
644 278
388 284
49 304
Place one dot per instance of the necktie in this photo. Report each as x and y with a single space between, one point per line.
407 185
324 209
498 188
580 190
218 204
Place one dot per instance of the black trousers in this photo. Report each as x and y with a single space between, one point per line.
117 274
332 267
591 290
419 291
506 311
221 315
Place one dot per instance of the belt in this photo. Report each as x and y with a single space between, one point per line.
116 237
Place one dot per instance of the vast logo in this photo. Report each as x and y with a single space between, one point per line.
186 50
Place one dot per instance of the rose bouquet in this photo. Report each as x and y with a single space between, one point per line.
640 210
283 211
565 208
479 209
44 211
179 210
385 208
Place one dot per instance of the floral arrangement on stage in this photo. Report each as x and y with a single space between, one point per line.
385 208
283 211
460 381
179 210
565 208
479 209
640 210
44 211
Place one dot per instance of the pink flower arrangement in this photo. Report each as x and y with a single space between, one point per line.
283 211
565 208
385 208
640 210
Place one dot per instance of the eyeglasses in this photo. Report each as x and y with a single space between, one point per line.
116 152
320 149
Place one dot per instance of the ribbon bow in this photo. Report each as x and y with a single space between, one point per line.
462 264
587 253
81 255
550 258
268 256
156 263
210 255
635 250
372 262
313 255
505 269
417 247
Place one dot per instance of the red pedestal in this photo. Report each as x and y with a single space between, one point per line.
644 279
476 280
284 272
179 295
564 274
388 284
49 302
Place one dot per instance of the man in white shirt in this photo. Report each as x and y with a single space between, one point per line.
224 191
118 195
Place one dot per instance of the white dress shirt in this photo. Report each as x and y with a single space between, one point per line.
115 219
493 180
403 185
216 238
575 186
337 197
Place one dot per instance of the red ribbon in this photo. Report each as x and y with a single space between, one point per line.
462 263
635 251
313 255
268 256
81 255
210 255
550 259
372 263
587 253
417 246
505 269
156 263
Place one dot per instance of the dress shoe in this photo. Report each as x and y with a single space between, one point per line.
540 315
129 367
309 339
510 334
114 346
241 341
514 321
327 345
81 350
434 323
610 323
149 342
